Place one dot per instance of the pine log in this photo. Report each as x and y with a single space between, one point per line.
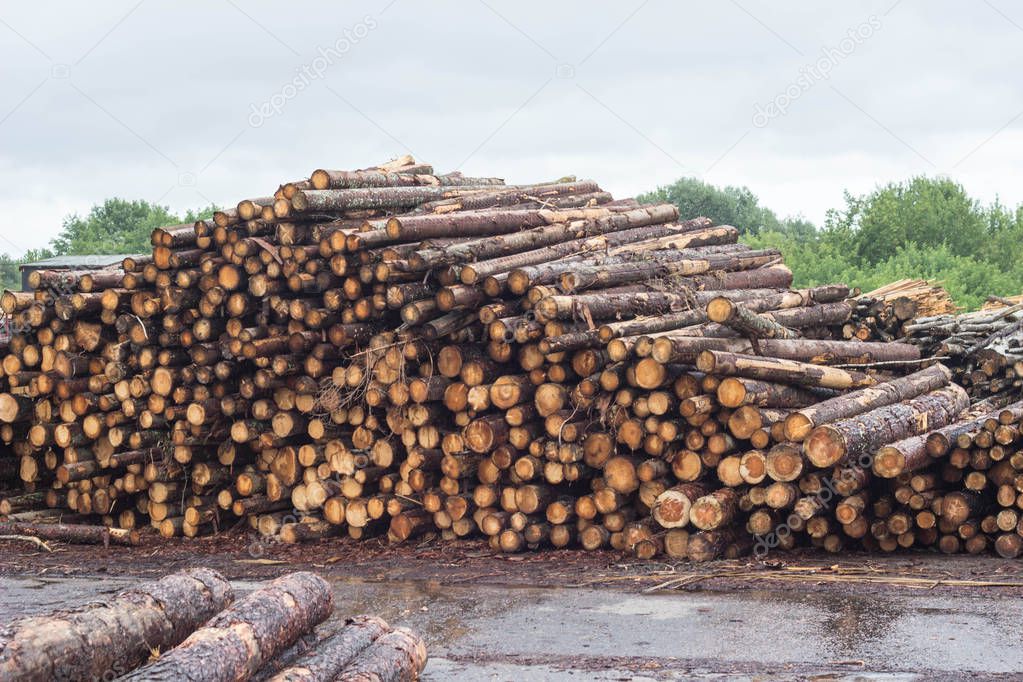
846 440
746 322
72 533
113 636
398 656
331 655
668 349
800 423
781 371
738 391
244 637
672 507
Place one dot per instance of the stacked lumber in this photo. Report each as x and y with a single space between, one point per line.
198 631
880 315
391 352
995 302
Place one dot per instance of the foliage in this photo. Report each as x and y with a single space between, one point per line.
115 226
736 206
926 228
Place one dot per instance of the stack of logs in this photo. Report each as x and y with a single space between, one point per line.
394 352
188 626
880 314
984 348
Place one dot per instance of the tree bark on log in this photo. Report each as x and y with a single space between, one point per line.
781 371
746 322
331 655
800 423
685 349
832 444
72 533
683 266
601 243
113 637
528 240
237 642
398 656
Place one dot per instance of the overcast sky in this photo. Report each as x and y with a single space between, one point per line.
197 101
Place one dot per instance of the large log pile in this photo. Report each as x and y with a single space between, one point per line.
391 351
185 627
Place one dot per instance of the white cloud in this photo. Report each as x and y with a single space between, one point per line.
165 89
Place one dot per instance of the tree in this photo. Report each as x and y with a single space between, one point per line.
736 206
929 212
115 226
927 228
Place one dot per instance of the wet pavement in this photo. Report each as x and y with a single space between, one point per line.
494 632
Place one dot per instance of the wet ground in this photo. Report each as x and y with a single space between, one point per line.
596 616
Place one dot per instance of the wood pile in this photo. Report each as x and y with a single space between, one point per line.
984 348
881 314
996 302
390 352
198 632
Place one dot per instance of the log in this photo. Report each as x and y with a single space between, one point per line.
72 533
667 350
738 391
244 637
800 423
846 440
114 636
746 322
672 507
334 653
781 371
398 656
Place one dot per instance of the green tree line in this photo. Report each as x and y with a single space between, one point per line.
927 228
113 227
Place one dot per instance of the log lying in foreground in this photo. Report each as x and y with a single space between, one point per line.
237 642
333 654
78 534
398 656
115 636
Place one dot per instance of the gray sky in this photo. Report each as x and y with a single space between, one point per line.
200 101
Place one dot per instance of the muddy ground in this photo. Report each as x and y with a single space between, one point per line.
578 615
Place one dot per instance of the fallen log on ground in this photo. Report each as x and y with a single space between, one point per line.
115 636
241 639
